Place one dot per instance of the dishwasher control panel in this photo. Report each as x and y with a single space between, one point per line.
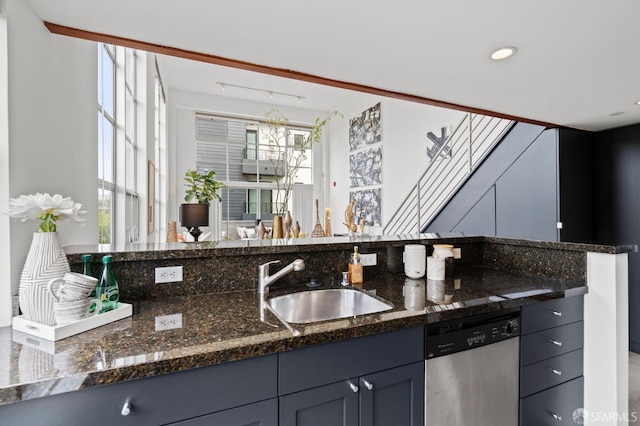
467 333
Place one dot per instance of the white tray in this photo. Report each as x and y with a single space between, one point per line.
58 332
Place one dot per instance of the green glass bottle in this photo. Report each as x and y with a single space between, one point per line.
87 270
86 264
107 290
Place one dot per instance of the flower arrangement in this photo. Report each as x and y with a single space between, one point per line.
46 208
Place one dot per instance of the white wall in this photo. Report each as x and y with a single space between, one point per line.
52 125
404 150
5 260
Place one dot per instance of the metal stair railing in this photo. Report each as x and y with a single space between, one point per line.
471 141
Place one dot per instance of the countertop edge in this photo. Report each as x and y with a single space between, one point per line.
156 251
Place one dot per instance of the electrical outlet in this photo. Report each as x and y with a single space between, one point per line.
168 322
369 259
170 274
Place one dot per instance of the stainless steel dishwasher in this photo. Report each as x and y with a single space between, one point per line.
472 371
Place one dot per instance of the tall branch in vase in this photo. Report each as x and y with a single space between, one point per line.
289 156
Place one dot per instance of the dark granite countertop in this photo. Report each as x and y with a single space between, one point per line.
152 251
222 327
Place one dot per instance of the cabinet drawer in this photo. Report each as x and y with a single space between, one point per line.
554 406
552 313
332 362
550 372
552 342
154 400
263 413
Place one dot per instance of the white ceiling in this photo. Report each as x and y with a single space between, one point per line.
203 77
578 61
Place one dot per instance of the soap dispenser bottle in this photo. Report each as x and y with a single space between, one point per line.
355 268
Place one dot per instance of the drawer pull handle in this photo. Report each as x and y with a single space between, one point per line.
557 313
555 342
367 384
554 371
557 417
126 409
354 387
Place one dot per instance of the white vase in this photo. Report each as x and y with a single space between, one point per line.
46 260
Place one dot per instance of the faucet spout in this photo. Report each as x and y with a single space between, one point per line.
265 280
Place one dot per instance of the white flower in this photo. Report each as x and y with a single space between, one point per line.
49 209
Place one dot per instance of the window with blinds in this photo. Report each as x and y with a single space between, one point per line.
243 156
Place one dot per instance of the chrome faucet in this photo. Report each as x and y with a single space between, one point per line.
265 280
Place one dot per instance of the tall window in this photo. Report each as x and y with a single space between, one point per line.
131 147
106 141
117 140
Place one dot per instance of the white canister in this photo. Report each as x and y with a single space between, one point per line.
414 258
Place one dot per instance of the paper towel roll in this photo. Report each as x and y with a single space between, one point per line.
435 268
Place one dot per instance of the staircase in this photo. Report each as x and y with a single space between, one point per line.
453 163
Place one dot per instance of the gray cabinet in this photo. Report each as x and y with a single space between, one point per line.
390 397
393 397
526 201
371 380
155 400
333 404
551 362
263 413
554 406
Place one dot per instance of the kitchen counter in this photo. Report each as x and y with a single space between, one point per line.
222 327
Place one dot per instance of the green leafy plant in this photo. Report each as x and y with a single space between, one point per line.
288 162
202 186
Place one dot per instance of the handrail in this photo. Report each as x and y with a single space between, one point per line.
471 141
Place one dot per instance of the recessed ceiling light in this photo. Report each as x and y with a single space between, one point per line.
503 53
638 103
613 114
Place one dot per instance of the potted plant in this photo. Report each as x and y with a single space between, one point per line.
202 187
288 161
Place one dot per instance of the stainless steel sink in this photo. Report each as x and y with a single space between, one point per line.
322 305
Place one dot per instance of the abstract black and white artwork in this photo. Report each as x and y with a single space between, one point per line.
365 129
368 206
365 167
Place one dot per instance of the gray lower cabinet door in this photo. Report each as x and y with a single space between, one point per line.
335 404
263 413
393 397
